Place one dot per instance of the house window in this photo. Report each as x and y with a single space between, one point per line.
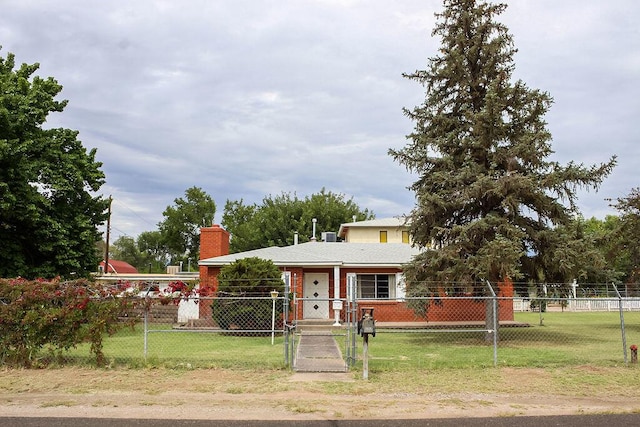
383 237
405 236
376 286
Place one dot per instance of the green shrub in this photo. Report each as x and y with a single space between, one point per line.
244 295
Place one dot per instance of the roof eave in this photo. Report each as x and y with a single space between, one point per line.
282 263
372 265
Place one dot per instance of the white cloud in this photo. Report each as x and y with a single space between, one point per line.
250 98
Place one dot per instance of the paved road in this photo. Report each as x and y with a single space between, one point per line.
568 421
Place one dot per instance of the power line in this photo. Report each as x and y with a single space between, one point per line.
122 233
135 213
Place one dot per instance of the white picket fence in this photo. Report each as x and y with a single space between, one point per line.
583 304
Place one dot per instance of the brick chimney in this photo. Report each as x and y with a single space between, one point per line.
214 241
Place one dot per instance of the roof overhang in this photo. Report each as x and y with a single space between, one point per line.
323 264
140 277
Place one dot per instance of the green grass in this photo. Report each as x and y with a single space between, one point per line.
184 349
563 339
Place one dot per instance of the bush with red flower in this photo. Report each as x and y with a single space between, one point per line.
41 318
178 290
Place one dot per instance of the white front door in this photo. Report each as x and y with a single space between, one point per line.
316 296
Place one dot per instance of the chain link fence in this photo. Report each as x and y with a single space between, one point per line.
565 332
539 326
222 331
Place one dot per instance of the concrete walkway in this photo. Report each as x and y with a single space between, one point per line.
318 351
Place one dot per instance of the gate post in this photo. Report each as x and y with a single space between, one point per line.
285 317
622 329
147 305
352 310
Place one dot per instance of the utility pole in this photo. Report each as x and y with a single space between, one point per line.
106 250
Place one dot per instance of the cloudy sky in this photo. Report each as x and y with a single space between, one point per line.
249 98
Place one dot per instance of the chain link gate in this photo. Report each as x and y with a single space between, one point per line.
351 313
319 345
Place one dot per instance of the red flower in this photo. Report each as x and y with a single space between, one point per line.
83 304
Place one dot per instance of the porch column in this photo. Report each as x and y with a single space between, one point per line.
337 303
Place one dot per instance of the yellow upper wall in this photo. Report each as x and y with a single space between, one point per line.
390 230
372 235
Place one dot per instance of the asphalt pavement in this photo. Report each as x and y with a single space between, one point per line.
609 420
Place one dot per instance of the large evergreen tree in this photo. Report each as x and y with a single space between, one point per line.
49 212
488 199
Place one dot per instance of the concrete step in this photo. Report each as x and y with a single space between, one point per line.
317 325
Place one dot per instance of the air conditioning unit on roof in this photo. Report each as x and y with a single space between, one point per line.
329 236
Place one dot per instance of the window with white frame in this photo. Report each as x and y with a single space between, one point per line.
376 286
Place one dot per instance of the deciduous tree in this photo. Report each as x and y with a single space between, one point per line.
151 244
627 233
274 222
49 210
601 236
238 219
125 248
180 228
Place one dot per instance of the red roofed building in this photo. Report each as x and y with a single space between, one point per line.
118 267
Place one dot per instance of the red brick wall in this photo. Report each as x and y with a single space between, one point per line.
214 241
208 287
449 310
297 279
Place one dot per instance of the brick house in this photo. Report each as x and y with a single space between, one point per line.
371 254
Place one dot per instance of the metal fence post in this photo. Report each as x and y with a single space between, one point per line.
494 308
495 328
365 356
292 347
353 311
622 329
146 325
352 328
285 310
